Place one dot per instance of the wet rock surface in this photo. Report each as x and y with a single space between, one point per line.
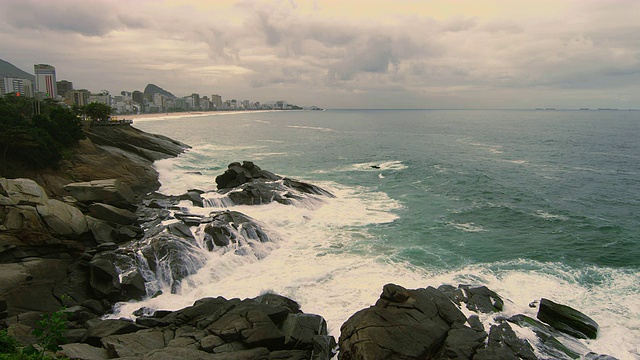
265 327
248 184
428 324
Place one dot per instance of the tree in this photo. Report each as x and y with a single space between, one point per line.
98 111
35 141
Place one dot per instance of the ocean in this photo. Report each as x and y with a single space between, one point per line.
529 203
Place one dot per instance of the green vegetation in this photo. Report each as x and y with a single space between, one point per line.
8 345
35 134
98 111
50 336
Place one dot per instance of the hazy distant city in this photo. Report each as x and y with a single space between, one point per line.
153 99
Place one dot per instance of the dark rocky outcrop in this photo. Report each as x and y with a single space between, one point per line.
403 324
568 320
428 324
213 328
109 191
248 184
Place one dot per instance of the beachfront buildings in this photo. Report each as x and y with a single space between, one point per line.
63 87
22 87
216 101
46 80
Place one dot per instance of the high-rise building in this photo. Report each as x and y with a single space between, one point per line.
138 97
196 100
78 97
22 87
63 87
46 80
216 100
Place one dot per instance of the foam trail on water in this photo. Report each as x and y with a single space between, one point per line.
327 261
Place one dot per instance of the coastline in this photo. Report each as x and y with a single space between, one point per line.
189 114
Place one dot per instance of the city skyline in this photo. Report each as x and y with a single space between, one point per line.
364 54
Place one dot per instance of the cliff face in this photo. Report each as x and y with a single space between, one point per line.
111 152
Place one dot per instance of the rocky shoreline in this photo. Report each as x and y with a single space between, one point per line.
96 233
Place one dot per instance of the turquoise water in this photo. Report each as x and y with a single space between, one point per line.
533 203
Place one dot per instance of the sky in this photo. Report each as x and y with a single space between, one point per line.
469 54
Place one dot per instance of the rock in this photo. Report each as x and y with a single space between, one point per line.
133 285
279 301
171 257
567 320
74 335
107 247
83 352
262 331
462 343
475 323
550 345
107 328
482 299
208 343
28 285
247 184
102 232
594 356
134 344
105 279
79 314
112 214
77 286
227 226
23 191
406 324
22 333
202 308
195 197
63 219
504 344
109 191
191 354
23 218
300 329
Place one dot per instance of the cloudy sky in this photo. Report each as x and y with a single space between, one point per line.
342 53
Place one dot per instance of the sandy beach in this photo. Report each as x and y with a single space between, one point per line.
185 114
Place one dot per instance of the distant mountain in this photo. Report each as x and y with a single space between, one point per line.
9 70
155 89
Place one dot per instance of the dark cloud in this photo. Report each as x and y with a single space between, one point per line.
88 18
285 47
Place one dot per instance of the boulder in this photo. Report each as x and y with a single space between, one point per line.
112 214
63 219
462 342
227 226
171 258
23 191
102 232
403 324
191 354
567 320
247 184
482 299
23 218
133 285
503 343
300 329
550 343
105 279
106 328
109 191
83 352
28 285
134 344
